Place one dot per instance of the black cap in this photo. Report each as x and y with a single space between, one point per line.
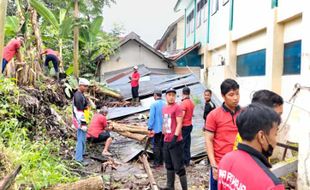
171 90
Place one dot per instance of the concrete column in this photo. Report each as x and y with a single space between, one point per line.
231 58
274 52
303 181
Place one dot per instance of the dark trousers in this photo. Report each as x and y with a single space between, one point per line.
158 141
135 92
54 60
173 158
212 182
4 63
101 138
186 133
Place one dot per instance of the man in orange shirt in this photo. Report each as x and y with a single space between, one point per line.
187 127
10 50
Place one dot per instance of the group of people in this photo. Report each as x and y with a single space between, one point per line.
239 141
13 48
94 130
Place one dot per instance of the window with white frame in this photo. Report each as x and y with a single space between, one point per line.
190 22
205 10
214 6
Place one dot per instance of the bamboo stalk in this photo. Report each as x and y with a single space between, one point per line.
3 7
76 41
148 170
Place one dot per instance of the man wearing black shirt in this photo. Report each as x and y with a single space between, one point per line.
209 105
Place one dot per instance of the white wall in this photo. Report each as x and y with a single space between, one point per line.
252 43
216 55
219 26
132 54
250 16
288 9
190 37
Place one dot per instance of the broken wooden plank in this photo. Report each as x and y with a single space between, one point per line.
7 181
148 170
118 127
135 136
285 167
92 183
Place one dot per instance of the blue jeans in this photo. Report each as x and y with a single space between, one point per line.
4 63
213 182
186 134
54 60
80 145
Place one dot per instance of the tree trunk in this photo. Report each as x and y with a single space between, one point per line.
3 6
92 183
61 64
36 31
76 41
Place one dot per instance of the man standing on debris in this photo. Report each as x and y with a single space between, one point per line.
221 129
53 56
258 126
10 50
187 127
99 130
134 82
267 98
209 105
155 124
80 118
173 150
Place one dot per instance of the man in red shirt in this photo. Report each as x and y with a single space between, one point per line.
134 82
221 129
173 151
99 131
53 56
10 50
187 127
257 126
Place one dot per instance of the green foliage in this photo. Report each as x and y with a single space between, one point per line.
40 165
11 26
45 13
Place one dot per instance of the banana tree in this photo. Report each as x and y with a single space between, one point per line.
60 26
3 6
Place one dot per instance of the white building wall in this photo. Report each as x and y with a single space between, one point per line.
190 37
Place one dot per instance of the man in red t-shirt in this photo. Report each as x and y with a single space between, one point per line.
221 129
53 56
258 126
173 151
187 127
134 82
99 130
10 50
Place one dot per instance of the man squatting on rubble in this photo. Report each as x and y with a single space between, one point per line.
187 125
99 130
221 129
173 150
155 124
134 82
258 127
80 117
10 50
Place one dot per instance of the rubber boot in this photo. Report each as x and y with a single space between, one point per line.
170 180
137 101
57 76
183 181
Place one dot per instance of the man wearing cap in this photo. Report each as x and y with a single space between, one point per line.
10 50
99 130
173 151
80 117
53 56
155 124
134 82
187 127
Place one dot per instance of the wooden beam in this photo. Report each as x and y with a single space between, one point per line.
283 168
92 183
148 170
7 181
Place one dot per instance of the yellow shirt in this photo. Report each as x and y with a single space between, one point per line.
237 141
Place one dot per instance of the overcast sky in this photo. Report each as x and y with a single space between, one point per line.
148 18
